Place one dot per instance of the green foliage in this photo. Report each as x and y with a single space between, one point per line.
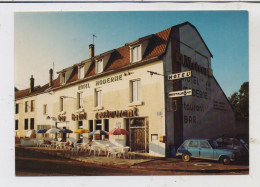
240 102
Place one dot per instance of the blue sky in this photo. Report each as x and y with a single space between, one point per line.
64 37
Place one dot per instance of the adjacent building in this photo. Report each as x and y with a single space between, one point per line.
132 87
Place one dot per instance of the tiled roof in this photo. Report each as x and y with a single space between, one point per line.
119 58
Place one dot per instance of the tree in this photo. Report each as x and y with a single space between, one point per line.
240 102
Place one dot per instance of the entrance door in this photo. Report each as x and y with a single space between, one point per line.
138 133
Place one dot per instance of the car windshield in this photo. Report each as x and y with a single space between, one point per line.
213 143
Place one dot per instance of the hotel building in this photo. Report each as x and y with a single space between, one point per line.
132 87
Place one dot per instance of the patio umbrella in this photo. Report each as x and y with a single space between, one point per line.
53 130
81 131
65 131
41 131
101 132
118 132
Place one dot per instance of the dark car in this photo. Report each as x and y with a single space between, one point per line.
235 144
206 149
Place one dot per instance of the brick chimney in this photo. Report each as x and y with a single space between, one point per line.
91 50
31 84
50 77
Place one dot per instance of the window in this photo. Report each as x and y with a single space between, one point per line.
81 72
91 125
63 78
135 91
204 144
25 124
26 106
193 144
136 53
99 66
98 97
80 124
79 100
45 109
16 124
32 123
16 108
61 104
32 105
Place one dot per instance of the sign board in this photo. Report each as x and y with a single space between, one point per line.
180 93
179 75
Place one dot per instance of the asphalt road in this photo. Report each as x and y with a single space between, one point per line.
31 163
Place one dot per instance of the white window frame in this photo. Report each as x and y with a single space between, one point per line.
135 86
136 53
80 100
81 72
26 106
98 97
45 109
61 104
99 66
63 78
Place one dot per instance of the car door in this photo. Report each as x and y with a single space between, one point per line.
206 150
193 148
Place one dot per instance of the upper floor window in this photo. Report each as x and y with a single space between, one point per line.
26 106
16 108
63 78
99 66
81 72
79 100
45 109
98 97
136 53
135 90
61 104
32 105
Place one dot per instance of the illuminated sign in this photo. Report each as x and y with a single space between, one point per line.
180 75
180 93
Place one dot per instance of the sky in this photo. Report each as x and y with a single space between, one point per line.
63 38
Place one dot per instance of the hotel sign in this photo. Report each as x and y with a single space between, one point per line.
76 117
180 75
180 93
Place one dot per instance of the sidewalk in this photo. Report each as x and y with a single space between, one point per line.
142 161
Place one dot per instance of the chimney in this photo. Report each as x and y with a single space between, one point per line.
31 84
91 50
50 77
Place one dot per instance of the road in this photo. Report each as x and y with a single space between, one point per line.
31 163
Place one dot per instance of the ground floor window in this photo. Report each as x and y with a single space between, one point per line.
90 125
80 123
25 124
16 124
106 121
32 123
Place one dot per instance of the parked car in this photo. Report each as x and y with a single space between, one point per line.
235 144
205 149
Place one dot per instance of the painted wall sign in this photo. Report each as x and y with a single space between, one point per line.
109 80
83 86
186 62
180 75
180 93
61 118
117 113
76 117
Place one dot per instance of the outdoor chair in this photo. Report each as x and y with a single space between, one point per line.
112 152
124 151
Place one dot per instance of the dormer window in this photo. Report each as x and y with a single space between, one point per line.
136 53
63 78
81 72
99 66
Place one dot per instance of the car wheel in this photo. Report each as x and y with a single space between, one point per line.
225 160
186 158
